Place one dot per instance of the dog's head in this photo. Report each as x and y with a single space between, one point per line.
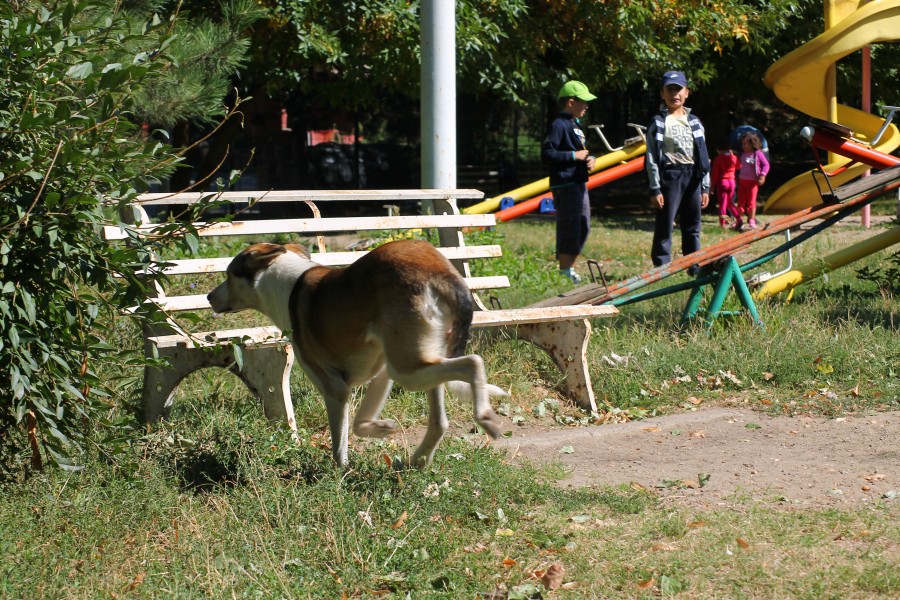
238 291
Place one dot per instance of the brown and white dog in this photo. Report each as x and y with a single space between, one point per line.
400 313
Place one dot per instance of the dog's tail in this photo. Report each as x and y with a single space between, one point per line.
462 321
463 390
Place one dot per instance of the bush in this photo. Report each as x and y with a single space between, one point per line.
72 159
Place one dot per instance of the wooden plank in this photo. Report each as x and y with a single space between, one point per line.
387 196
522 316
582 295
490 318
199 301
251 336
319 226
189 266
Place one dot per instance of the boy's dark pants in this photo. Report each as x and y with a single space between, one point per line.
573 218
681 195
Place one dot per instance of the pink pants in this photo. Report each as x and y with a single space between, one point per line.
725 193
746 203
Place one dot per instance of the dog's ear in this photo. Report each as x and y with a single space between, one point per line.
254 259
298 249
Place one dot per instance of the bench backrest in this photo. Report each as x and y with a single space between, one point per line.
445 218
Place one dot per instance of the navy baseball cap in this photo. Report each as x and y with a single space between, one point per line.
673 78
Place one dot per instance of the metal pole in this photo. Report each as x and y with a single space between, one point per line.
438 94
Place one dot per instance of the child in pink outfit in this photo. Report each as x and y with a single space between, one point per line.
753 166
722 179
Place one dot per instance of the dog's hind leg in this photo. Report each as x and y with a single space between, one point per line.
469 369
366 423
437 427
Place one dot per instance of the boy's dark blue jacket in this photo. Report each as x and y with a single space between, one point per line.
565 136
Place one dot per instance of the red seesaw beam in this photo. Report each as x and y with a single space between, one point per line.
602 178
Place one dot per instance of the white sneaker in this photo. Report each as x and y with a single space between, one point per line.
571 275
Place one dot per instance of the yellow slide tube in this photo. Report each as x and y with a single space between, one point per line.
799 80
542 185
793 278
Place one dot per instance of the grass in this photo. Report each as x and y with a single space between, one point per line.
218 502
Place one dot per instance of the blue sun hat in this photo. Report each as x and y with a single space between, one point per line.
673 78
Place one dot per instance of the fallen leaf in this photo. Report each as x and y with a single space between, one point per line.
651 429
768 376
138 580
637 486
661 547
698 434
855 391
508 562
476 549
866 488
552 579
694 400
874 477
817 360
753 426
504 532
567 450
695 524
400 522
643 585
742 543
824 368
766 402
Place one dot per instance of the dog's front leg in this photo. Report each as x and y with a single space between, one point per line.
366 423
437 427
338 422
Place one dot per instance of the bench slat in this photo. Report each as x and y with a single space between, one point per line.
387 196
331 259
199 301
522 316
314 226
487 318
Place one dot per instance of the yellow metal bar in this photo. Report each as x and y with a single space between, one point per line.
542 185
791 279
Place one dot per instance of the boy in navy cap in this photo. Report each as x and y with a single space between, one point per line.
677 165
570 162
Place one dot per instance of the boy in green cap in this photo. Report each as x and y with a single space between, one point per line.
570 162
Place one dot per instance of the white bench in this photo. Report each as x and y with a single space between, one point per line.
265 357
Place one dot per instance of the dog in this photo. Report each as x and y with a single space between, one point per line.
400 313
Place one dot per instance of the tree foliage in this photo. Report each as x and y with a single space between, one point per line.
73 157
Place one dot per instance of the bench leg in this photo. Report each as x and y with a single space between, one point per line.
566 342
160 382
266 374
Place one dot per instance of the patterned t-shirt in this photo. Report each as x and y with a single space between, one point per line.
678 141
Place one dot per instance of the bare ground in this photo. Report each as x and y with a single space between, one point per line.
802 462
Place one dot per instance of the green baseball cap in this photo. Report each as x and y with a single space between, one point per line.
576 89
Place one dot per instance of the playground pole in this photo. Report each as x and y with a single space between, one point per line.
866 213
438 81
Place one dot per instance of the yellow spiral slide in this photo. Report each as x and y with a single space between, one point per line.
800 79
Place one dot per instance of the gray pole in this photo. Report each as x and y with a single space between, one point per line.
438 21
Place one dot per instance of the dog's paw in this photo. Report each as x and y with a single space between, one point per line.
491 425
377 428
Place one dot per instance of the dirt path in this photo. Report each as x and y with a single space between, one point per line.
800 461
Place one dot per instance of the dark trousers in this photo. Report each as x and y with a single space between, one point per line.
681 195
573 218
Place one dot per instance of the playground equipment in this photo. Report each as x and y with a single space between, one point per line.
632 148
596 180
718 264
802 80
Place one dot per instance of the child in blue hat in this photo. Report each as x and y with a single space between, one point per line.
677 165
